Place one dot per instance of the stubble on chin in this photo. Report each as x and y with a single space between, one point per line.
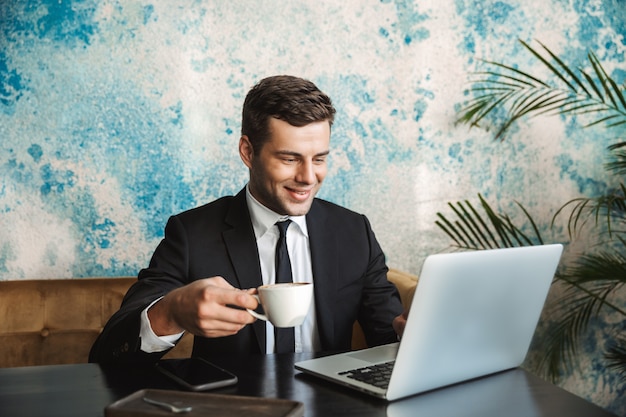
297 208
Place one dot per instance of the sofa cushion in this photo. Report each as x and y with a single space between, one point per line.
56 321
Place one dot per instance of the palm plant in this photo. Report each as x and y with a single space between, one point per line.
504 94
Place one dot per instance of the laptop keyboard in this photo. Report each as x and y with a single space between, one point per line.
376 375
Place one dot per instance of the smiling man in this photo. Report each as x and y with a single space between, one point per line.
202 276
288 171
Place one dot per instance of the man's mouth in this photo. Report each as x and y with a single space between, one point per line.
299 194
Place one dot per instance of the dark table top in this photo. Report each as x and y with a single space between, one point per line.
86 389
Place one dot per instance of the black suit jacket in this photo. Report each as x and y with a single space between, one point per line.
349 273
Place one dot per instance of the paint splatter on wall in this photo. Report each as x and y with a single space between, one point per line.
116 114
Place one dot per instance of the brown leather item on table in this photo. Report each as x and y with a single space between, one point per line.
204 404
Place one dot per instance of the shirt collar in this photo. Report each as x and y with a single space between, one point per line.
263 219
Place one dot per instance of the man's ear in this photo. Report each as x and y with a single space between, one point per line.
246 152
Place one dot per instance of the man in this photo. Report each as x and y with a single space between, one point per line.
203 273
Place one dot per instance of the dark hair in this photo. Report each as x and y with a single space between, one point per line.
294 100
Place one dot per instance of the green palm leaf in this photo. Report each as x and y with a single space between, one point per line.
519 94
577 306
608 207
618 163
474 231
507 94
599 275
616 356
591 280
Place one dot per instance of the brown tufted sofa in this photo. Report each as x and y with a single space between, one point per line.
46 322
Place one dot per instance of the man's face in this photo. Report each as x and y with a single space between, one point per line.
288 171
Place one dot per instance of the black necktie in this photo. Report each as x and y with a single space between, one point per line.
283 337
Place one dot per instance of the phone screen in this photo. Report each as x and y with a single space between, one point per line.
196 374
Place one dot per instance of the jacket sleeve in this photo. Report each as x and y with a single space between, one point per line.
380 300
119 340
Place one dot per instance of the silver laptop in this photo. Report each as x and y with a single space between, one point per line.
473 314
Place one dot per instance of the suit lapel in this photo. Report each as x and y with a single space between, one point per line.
242 249
324 260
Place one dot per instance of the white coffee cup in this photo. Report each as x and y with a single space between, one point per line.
286 304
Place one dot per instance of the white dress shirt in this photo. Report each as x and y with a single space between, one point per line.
266 234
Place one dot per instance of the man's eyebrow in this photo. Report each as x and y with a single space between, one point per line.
292 153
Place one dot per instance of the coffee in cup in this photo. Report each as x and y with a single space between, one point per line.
285 304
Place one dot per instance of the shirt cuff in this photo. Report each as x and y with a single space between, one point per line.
150 342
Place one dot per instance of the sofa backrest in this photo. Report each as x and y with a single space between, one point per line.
46 322
56 321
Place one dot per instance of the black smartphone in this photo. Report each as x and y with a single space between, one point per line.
196 374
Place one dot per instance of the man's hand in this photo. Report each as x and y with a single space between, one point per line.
399 323
204 309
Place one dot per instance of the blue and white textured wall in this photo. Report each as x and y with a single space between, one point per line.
115 114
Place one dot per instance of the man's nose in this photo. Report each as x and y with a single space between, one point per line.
306 173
